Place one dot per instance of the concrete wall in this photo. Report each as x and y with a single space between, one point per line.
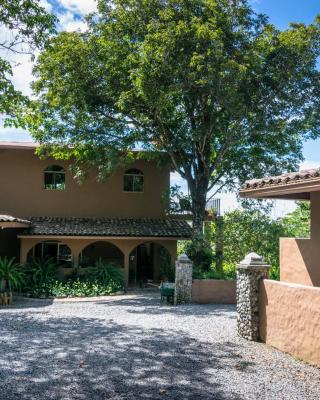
206 291
22 193
290 319
300 258
300 261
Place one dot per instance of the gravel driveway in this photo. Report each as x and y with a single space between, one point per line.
130 347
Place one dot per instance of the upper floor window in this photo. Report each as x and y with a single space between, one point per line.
54 178
133 181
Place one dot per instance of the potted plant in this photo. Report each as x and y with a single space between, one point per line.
11 277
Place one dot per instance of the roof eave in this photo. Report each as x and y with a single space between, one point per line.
8 224
293 191
151 238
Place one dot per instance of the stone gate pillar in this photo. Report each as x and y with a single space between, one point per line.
183 282
249 272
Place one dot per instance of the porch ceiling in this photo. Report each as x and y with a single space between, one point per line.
109 227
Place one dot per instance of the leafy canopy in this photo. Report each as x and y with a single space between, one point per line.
25 25
225 93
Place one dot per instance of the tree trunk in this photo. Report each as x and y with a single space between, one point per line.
199 199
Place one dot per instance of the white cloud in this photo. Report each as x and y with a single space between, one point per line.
22 73
69 23
80 6
308 164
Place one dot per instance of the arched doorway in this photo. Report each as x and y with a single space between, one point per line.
147 261
59 252
105 251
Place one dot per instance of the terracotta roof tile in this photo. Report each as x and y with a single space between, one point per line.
125 227
284 179
9 218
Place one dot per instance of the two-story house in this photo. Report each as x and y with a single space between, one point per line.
46 213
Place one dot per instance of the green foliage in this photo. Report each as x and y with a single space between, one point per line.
29 25
105 273
297 223
39 274
228 272
167 270
248 231
102 279
10 273
222 91
199 250
79 288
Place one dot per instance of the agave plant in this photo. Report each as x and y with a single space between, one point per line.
10 273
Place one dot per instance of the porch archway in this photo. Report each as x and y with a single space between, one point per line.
103 250
54 249
147 262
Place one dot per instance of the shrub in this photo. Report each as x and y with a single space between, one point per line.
199 250
105 273
102 279
11 273
39 273
228 272
167 270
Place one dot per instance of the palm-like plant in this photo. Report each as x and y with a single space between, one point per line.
41 271
11 273
106 273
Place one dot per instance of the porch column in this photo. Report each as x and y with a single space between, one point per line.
25 246
249 273
126 268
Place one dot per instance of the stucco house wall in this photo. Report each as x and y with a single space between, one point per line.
300 258
22 193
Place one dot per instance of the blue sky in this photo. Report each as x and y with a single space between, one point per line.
281 13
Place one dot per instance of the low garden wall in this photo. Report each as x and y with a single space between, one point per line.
290 318
206 291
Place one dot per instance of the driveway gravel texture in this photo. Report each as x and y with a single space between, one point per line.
131 347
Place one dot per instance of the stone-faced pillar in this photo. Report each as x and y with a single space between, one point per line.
249 272
183 282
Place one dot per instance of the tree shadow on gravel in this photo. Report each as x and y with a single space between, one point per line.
21 302
86 358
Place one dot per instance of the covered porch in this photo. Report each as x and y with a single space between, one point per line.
137 246
299 257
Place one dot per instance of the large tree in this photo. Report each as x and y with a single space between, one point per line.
24 25
224 93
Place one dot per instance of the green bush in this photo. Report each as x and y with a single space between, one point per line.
167 270
105 273
199 250
228 272
102 279
11 274
39 274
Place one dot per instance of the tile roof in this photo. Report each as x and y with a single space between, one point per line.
284 179
9 218
111 227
